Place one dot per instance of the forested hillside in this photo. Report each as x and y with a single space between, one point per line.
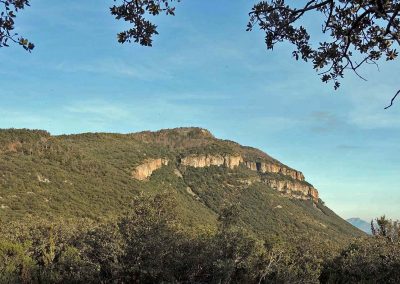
176 205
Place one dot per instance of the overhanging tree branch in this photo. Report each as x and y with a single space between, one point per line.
8 12
362 31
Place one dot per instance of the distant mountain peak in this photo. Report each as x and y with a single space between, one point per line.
360 224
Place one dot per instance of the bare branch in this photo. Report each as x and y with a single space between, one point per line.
391 102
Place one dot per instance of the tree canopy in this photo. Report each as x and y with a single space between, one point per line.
357 32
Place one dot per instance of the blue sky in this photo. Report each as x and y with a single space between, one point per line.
206 70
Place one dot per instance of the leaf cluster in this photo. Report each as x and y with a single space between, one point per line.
360 32
135 12
8 11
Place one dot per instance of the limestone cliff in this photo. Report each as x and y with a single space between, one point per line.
232 161
201 161
294 189
294 185
274 168
214 152
144 170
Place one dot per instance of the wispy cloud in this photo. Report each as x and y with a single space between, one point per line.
324 121
100 109
347 147
115 67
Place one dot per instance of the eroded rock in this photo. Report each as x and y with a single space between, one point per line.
144 170
202 161
42 179
294 187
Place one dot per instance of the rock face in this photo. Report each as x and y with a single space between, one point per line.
293 186
202 161
274 168
144 170
294 189
232 161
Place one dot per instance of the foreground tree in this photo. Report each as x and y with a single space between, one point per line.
386 228
359 32
368 260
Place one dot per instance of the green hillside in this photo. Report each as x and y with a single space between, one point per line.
90 176
173 206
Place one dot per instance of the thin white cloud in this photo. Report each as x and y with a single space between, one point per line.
101 109
115 67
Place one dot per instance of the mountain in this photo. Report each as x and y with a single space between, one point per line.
360 224
96 175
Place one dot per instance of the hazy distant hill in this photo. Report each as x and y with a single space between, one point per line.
96 175
360 224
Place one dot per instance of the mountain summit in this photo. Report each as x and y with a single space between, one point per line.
96 175
360 224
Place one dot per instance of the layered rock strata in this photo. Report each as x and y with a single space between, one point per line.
295 187
202 161
274 168
144 170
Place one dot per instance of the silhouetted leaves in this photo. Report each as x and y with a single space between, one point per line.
9 10
135 12
358 32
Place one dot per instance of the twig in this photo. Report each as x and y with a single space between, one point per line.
391 102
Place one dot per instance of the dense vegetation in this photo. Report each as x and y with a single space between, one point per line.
71 213
149 245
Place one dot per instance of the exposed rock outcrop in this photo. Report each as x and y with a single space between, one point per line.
144 170
294 186
202 161
42 179
232 161
294 189
274 168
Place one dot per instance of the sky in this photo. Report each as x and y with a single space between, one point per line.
205 70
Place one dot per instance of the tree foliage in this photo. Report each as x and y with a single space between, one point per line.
386 228
359 32
149 245
135 12
8 13
370 260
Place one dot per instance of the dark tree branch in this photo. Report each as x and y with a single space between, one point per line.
358 30
391 102
136 13
8 13
331 7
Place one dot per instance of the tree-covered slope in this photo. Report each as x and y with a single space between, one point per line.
93 176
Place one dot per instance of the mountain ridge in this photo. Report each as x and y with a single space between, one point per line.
95 175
